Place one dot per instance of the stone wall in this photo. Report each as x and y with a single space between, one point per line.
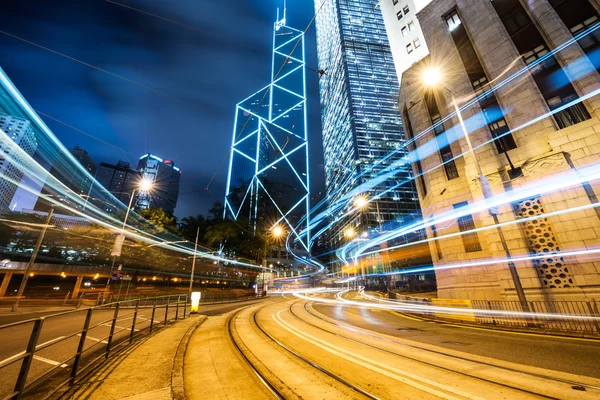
543 151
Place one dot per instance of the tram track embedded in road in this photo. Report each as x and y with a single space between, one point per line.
573 384
260 376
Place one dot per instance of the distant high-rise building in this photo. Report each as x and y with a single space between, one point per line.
120 180
404 32
80 185
165 177
15 131
268 180
363 134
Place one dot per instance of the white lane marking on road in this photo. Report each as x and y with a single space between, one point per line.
93 338
52 362
46 360
399 375
120 327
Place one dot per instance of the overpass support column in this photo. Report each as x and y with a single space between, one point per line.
77 287
5 282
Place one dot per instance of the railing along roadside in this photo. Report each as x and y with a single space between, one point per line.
127 321
568 316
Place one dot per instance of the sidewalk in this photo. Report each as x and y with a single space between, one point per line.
149 370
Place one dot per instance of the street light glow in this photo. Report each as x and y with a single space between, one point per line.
360 201
277 231
431 77
349 232
145 185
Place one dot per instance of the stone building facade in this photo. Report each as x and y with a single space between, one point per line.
540 124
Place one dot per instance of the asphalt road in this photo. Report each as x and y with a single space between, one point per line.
61 332
572 355
308 349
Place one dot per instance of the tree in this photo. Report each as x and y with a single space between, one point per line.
159 218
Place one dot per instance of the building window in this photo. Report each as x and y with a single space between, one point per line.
453 21
411 26
579 15
551 80
409 48
465 224
441 136
406 10
417 43
493 114
395 2
399 15
404 31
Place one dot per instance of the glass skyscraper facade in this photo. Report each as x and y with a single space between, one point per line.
363 136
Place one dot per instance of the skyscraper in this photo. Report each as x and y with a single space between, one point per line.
404 32
120 180
165 177
268 170
80 185
15 131
363 135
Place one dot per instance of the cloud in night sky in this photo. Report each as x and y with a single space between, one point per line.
208 72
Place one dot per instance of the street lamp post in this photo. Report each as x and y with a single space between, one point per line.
432 77
145 185
21 290
194 259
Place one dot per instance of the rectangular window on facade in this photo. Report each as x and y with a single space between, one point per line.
578 16
409 48
405 9
404 31
465 223
441 136
395 2
453 21
399 15
492 112
411 26
553 83
417 43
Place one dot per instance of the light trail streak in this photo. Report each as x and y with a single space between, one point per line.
543 186
373 183
404 306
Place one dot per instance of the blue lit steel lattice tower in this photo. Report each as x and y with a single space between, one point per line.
359 112
268 169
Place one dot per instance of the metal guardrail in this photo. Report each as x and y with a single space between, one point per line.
215 298
583 315
578 311
84 357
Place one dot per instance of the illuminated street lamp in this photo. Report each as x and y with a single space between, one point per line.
349 232
360 201
432 77
144 185
277 231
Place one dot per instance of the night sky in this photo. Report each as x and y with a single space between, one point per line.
221 58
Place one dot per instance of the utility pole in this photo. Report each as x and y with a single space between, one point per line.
31 261
194 259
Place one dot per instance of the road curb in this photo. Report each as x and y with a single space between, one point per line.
177 383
